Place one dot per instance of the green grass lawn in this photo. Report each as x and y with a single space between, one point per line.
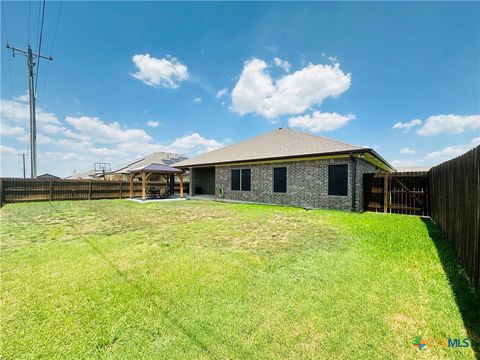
191 279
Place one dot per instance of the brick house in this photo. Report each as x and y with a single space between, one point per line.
286 167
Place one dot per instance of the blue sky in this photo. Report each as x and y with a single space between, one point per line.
402 78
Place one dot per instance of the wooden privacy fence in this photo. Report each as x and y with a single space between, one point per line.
399 193
14 190
455 204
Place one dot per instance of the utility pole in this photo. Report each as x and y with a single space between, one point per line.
23 158
31 56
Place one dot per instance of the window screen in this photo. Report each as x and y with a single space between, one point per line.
280 180
246 179
338 180
235 179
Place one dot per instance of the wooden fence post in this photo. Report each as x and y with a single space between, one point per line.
385 193
121 184
51 190
90 190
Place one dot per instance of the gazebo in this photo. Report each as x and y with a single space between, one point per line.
144 172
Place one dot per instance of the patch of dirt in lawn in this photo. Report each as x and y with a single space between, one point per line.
401 322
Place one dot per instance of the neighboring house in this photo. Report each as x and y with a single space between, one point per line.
47 176
86 175
413 168
122 172
286 167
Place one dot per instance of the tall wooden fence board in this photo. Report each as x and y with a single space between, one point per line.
455 204
14 190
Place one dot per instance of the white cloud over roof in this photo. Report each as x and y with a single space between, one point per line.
257 92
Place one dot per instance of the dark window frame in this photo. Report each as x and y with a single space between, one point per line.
241 179
286 180
331 190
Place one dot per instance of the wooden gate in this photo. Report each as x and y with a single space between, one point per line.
399 193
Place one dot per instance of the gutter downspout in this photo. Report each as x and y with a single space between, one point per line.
354 181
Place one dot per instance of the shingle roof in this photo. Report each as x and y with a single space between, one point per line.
155 158
280 143
84 175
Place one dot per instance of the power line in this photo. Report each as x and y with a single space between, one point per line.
4 20
44 84
29 18
9 65
40 46
56 27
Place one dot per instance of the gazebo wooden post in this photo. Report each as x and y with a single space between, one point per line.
181 185
131 185
166 184
144 183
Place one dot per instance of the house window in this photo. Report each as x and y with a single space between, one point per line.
338 180
241 179
235 179
280 180
246 179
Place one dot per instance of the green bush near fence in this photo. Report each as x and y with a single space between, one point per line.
190 279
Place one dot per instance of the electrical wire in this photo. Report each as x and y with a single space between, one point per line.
4 20
9 65
39 47
29 19
44 84
56 27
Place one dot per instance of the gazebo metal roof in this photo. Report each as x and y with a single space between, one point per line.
157 168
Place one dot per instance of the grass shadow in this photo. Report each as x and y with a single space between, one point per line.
467 299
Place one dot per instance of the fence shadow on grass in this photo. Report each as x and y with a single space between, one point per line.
467 299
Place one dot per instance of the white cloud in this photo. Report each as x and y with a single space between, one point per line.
222 92
22 98
153 124
409 163
256 91
195 140
449 124
66 156
447 153
284 64
318 121
407 150
197 100
332 59
437 157
42 139
19 112
166 72
450 152
8 150
147 148
97 130
408 125
52 128
6 130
